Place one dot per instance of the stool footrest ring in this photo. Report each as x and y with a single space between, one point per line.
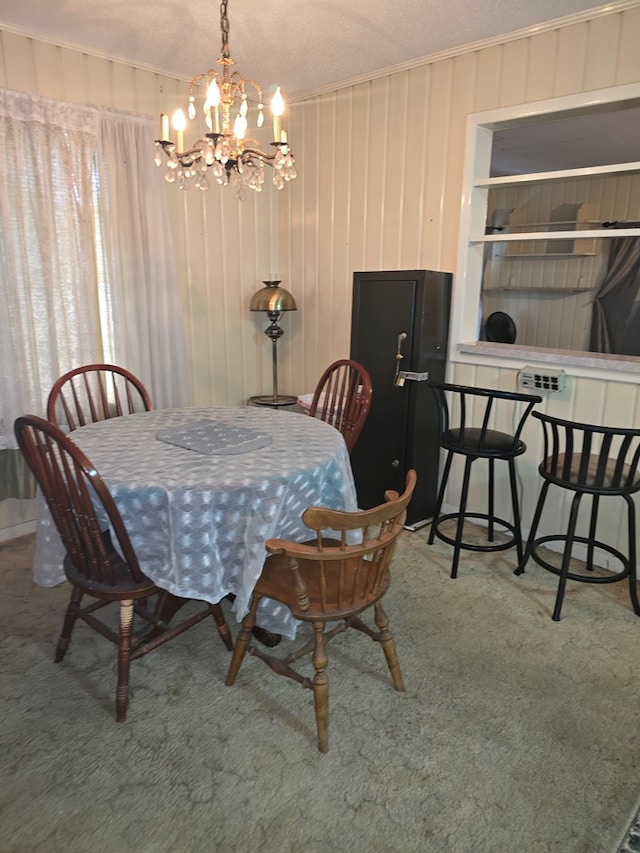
469 546
590 578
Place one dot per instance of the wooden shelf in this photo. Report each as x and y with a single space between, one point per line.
564 174
554 226
540 289
550 255
530 236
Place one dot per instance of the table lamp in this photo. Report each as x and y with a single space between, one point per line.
274 300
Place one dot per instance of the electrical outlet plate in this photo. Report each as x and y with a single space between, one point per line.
543 380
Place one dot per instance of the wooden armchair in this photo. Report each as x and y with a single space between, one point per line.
327 580
95 392
100 559
342 398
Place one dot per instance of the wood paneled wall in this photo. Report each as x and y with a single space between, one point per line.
380 179
381 170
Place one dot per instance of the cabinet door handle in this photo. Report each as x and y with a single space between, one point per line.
398 379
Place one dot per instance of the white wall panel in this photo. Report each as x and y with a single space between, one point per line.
628 55
513 86
541 71
418 112
601 50
47 62
487 78
571 59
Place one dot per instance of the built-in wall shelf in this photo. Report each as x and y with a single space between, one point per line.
564 174
540 289
549 255
555 225
557 235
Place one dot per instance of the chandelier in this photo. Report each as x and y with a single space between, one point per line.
224 148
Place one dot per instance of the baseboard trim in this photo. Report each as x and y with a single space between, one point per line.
17 530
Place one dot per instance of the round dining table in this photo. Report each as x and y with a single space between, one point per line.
201 490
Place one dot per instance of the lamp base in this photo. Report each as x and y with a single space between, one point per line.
274 402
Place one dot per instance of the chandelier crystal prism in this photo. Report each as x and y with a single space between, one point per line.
223 95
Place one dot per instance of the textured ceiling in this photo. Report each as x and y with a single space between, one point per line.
301 45
309 45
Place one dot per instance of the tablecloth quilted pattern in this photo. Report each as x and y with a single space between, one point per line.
199 522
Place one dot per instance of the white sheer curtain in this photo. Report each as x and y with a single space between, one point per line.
86 260
145 309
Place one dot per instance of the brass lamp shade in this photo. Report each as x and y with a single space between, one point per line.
272 298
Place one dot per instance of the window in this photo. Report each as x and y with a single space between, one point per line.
534 239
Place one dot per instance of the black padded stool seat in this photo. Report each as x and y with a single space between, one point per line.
481 442
587 460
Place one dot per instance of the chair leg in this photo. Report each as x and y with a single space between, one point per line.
124 658
221 623
516 508
490 501
242 641
69 621
461 511
633 586
440 498
534 527
592 531
321 687
566 557
388 646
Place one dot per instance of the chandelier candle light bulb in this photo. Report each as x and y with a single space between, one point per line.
277 108
179 122
213 100
228 100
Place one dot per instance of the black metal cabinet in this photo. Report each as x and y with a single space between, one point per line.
400 313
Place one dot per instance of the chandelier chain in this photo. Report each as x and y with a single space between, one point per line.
224 29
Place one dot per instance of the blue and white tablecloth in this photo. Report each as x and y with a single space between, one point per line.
198 518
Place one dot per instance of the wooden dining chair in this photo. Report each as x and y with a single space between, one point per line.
326 581
95 392
342 398
100 560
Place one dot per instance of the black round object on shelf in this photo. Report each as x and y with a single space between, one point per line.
500 328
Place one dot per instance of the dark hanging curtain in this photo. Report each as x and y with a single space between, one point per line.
615 322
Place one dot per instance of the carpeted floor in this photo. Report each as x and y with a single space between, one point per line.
514 734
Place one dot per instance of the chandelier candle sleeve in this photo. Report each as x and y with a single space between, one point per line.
230 106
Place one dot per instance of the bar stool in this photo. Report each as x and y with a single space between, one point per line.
587 460
460 437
